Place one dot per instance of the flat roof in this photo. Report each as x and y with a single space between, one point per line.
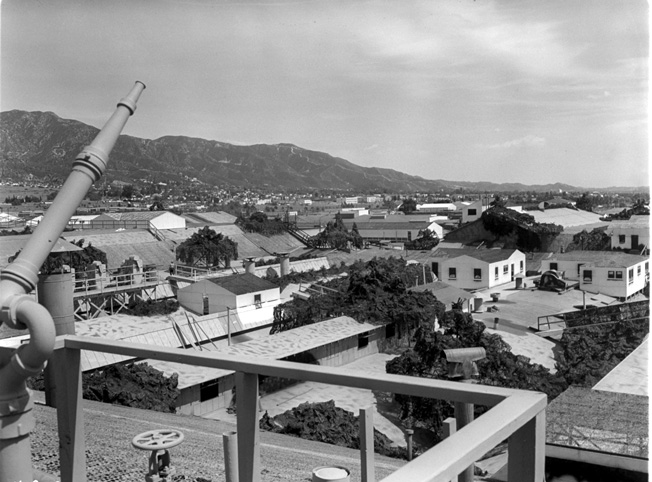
616 259
564 217
240 284
599 421
273 347
630 375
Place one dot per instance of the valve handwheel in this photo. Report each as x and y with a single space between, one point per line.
158 439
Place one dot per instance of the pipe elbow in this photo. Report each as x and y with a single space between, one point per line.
40 324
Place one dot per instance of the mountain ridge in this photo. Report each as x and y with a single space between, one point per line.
44 144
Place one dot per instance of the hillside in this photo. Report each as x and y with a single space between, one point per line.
44 145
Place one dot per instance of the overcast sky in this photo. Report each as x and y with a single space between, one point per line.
504 91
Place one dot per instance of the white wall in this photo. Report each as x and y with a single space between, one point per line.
465 266
642 232
168 221
633 280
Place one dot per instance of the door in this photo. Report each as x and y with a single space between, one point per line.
512 271
634 241
435 269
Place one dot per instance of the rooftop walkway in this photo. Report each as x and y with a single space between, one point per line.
111 457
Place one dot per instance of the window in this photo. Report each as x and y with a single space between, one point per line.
616 275
473 212
579 265
258 302
506 269
638 270
554 266
647 268
496 272
588 276
452 273
521 266
630 276
363 340
209 390
621 239
477 274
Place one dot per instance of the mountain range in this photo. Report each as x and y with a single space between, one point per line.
44 145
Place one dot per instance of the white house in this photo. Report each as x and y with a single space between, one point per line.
612 273
392 228
473 269
630 234
473 211
620 275
251 297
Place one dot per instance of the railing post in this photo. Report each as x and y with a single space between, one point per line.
463 417
70 417
367 445
246 389
527 451
450 427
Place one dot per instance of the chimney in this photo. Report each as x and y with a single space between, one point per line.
285 263
250 265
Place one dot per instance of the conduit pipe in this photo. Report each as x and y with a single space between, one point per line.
20 311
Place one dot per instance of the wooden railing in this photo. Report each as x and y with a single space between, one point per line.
516 415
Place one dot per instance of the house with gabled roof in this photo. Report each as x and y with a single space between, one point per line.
612 273
241 293
473 269
630 233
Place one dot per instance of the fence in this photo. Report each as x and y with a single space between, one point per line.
516 415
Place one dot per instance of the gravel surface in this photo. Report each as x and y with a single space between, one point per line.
110 456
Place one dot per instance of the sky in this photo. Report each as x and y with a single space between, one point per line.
523 91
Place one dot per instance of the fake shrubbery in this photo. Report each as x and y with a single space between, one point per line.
324 422
133 385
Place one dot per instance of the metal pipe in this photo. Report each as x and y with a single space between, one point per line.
20 311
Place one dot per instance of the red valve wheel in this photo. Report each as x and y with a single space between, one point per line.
157 439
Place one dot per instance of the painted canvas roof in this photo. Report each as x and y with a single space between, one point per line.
240 284
487 255
595 420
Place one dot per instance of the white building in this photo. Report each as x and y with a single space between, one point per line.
611 273
630 234
251 297
436 208
473 211
474 269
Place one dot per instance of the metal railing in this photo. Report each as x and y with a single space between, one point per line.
516 415
93 282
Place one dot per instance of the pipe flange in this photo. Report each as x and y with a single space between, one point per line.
17 425
20 404
8 311
21 368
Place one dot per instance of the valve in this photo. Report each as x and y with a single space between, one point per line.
160 467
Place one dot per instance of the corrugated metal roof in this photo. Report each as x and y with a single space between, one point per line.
210 217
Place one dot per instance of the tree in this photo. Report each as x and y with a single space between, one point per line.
585 203
207 248
408 206
498 202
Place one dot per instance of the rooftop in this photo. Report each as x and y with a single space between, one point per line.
616 259
240 284
607 422
565 217
487 255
